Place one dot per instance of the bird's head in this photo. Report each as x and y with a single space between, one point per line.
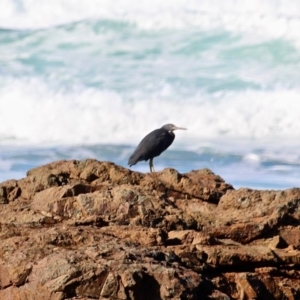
171 127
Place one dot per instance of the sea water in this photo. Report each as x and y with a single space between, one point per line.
89 79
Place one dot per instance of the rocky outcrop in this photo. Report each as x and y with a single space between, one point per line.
94 230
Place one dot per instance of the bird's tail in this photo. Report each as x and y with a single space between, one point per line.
134 158
132 161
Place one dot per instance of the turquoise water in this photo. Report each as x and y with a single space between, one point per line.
90 81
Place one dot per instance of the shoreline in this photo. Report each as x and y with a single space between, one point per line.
241 170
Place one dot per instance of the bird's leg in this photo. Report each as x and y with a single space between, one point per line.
151 165
153 170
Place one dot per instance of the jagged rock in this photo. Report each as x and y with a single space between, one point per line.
94 230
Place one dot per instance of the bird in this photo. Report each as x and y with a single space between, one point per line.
153 144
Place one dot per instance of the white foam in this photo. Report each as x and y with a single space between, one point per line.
33 112
274 18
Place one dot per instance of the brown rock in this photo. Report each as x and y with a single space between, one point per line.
245 289
3 196
291 235
9 191
94 230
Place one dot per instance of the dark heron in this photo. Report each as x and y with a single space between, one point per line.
153 145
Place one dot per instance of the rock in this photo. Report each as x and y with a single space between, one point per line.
9 191
3 196
291 235
94 230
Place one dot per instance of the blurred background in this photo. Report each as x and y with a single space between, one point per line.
89 79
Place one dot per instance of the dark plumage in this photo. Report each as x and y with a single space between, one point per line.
153 145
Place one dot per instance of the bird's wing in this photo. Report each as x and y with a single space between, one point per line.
150 146
154 143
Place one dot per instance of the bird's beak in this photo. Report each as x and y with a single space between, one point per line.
180 128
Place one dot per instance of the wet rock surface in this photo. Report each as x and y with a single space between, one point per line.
94 230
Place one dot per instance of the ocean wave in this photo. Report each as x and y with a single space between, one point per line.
271 18
120 57
33 112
